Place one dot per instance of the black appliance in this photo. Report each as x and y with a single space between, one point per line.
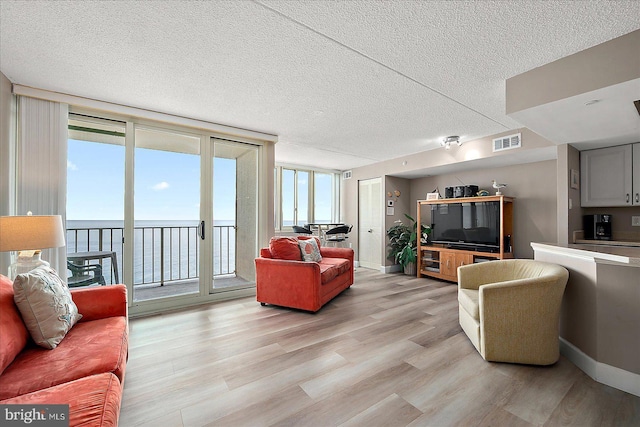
470 190
467 225
458 191
597 227
448 192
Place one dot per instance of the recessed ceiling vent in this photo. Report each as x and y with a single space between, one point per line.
507 142
346 174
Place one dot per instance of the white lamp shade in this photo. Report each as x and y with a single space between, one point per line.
31 232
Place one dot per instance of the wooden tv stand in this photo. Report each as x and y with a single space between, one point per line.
442 262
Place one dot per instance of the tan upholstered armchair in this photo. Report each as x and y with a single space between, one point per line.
510 309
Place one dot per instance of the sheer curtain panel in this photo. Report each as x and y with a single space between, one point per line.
41 182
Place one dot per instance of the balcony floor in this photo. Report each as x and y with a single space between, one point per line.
152 291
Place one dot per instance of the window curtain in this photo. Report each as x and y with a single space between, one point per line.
41 166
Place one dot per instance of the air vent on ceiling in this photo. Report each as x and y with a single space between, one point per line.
346 175
507 142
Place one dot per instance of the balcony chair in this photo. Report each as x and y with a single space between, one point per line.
510 309
338 234
301 230
80 275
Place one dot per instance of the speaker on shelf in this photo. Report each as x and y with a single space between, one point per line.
448 192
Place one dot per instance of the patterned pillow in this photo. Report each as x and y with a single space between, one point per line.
310 250
46 306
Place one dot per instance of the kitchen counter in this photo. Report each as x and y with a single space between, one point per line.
609 242
600 314
599 252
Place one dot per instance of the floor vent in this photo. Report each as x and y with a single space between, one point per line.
507 142
346 175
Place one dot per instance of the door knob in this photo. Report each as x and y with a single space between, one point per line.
370 230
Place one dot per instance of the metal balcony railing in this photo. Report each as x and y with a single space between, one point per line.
162 254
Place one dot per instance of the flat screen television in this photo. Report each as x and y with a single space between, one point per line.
467 225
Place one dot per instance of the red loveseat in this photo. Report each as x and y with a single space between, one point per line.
283 279
86 370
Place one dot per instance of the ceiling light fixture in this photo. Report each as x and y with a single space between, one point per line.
446 142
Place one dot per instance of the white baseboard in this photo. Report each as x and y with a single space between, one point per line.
601 372
386 269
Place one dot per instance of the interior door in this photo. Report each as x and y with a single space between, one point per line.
370 223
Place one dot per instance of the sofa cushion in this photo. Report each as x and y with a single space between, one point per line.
46 305
328 272
93 400
12 329
285 248
89 348
310 250
343 265
469 299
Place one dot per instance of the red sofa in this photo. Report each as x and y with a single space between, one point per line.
86 370
302 284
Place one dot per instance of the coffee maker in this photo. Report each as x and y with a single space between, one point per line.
597 227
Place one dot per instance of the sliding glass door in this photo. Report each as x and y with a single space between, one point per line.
172 212
167 229
235 218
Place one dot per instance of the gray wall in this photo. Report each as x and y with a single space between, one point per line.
7 156
533 185
606 64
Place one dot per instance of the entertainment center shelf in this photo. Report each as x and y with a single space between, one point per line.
441 260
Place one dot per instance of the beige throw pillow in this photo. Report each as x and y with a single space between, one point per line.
310 251
46 306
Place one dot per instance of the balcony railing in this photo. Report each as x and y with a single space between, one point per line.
162 254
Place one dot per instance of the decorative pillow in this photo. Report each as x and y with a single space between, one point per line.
46 305
285 248
310 237
310 250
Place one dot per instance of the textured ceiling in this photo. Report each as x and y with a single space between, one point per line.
342 83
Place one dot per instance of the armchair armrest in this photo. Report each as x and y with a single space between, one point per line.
101 302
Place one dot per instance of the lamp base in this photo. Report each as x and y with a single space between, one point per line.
26 261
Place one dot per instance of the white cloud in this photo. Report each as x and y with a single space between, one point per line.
71 166
160 186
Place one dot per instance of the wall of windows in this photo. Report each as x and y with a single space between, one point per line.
305 196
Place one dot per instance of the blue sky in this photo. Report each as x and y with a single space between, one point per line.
167 184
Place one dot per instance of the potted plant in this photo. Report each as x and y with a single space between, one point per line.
403 246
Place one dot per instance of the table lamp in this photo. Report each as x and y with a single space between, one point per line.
29 234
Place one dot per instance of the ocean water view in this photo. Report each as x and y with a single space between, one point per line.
164 250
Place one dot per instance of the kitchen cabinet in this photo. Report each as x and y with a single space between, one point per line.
610 176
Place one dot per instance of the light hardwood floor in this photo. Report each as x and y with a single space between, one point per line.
386 352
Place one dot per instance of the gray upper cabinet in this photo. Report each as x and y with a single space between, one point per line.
607 178
636 174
